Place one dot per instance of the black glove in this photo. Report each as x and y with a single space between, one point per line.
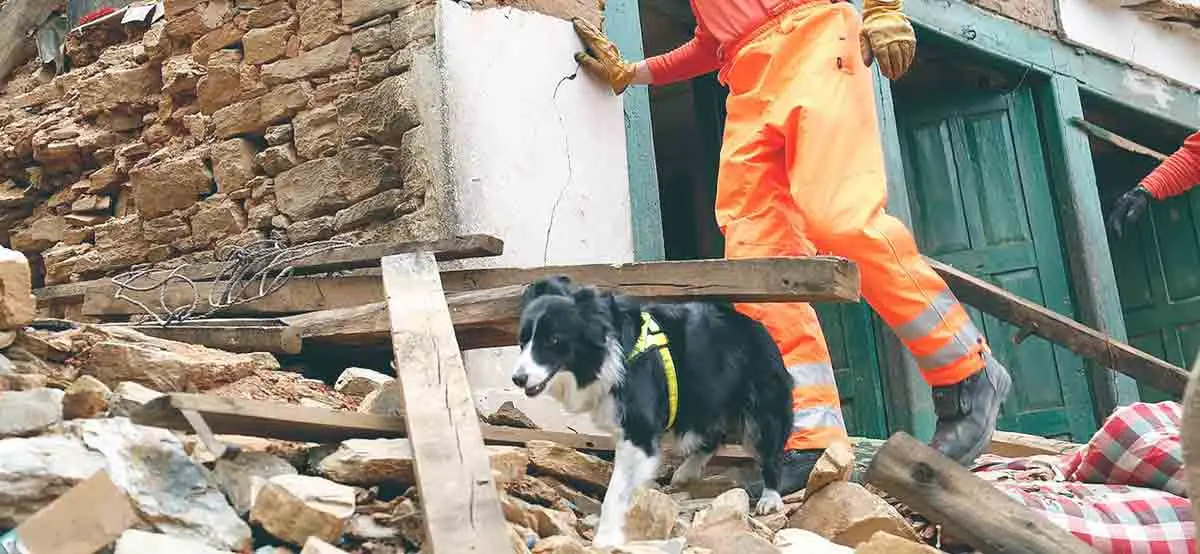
1129 207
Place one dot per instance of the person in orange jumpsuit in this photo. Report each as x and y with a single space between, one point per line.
801 171
1174 176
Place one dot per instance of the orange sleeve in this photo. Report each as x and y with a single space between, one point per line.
695 57
1178 173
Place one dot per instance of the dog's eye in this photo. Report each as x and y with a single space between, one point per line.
553 340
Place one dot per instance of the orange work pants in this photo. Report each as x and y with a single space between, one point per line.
802 172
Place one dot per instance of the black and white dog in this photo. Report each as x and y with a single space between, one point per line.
578 346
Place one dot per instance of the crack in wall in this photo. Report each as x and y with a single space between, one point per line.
570 166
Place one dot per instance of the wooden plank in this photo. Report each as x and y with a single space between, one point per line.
1115 139
256 418
455 248
969 507
1020 445
276 420
488 317
811 279
84 520
1061 330
453 471
228 335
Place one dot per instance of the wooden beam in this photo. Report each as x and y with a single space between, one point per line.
262 335
969 507
456 248
977 29
276 420
1061 330
454 475
1115 139
812 279
1020 445
488 317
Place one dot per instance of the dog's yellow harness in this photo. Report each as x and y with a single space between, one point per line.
652 336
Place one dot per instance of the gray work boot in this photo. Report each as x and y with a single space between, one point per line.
967 412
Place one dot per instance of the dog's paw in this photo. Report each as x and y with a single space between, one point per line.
770 502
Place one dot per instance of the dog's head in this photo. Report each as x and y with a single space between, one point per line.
563 335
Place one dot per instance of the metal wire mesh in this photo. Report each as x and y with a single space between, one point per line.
250 272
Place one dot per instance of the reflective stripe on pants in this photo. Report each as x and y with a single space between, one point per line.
802 172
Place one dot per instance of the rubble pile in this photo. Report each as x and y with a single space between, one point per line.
221 123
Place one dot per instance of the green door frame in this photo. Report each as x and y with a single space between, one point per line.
623 25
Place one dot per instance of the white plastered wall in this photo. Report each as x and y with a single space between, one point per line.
537 160
1161 48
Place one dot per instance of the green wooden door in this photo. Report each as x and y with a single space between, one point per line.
1157 265
981 202
847 327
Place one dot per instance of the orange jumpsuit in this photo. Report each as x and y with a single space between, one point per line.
802 172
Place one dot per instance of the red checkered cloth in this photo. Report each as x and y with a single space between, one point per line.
1130 504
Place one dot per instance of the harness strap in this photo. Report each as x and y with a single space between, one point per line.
652 336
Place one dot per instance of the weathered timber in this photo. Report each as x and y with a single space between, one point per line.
355 257
264 335
487 318
970 508
1020 445
811 279
454 475
275 420
1063 331
1115 139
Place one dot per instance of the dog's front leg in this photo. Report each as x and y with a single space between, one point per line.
633 466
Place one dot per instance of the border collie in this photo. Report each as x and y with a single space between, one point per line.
575 345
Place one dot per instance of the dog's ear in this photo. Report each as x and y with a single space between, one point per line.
584 296
557 285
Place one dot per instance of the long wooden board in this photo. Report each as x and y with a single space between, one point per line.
275 420
455 248
266 335
454 474
811 279
1063 331
969 507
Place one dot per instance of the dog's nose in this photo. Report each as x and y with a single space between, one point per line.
519 379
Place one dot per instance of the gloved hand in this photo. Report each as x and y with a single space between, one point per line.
1129 207
602 57
889 36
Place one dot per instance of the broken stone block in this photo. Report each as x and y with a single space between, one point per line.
321 60
277 159
744 542
715 534
349 176
373 38
295 507
17 305
414 25
510 463
233 164
319 228
581 502
651 516
217 219
559 544
86 397
516 541
180 74
221 86
508 415
166 487
35 471
732 504
91 203
165 229
134 541
256 114
270 13
358 11
848 514
278 135
25 413
224 36
241 477
135 89
569 464
380 207
317 546
319 22
172 184
533 490
129 397
316 132
835 464
883 542
382 113
369 462
268 44
167 366
358 381
551 523
799 541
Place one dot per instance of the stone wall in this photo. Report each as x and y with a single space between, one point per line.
222 123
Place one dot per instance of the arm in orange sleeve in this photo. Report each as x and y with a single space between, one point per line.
1178 173
695 57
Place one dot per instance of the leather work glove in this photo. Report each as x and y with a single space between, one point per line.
888 37
602 58
1129 207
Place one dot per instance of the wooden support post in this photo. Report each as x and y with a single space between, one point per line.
1062 330
970 508
454 475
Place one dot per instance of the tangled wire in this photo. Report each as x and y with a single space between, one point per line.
250 272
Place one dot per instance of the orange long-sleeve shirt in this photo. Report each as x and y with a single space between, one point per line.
719 23
1178 173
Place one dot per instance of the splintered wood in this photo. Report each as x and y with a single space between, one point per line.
454 477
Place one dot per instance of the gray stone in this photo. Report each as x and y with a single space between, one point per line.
350 176
322 60
358 381
241 477
369 462
278 135
35 471
134 541
129 397
277 159
24 413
